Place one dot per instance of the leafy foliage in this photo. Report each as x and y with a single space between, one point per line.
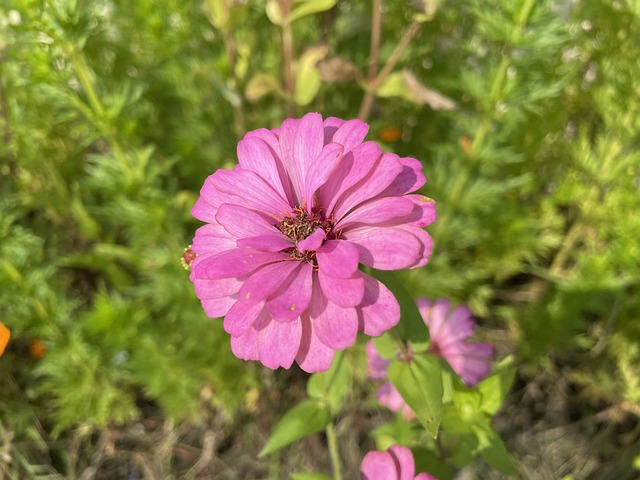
112 113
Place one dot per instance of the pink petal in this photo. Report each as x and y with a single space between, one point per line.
471 361
408 180
435 317
388 396
376 365
267 136
278 343
202 210
423 305
425 241
337 259
318 172
380 177
223 287
255 156
217 307
313 241
271 139
212 238
404 458
246 346
293 297
265 282
353 167
335 326
238 262
241 317
330 126
301 143
251 191
457 327
346 292
286 138
424 476
351 134
211 198
242 222
378 466
379 310
271 242
385 248
377 211
424 211
313 356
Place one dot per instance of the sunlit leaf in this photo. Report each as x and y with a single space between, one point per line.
308 7
309 476
260 85
419 382
307 77
331 386
306 418
411 326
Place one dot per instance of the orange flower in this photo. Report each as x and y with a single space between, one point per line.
390 134
5 334
465 143
38 348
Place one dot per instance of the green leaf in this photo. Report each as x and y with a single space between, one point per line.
386 346
404 84
217 11
308 80
274 12
331 386
309 476
427 461
494 388
398 432
420 385
393 86
411 326
308 7
493 449
306 418
260 85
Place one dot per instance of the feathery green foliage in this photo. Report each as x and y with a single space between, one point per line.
112 113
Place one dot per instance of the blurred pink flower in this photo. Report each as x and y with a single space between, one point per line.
449 332
286 230
394 464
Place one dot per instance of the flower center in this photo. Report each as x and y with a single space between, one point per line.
300 224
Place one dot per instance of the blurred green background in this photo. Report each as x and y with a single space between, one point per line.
112 113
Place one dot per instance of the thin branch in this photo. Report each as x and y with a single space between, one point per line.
376 22
287 55
238 111
367 102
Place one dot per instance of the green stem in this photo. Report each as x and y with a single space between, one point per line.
287 54
274 466
333 452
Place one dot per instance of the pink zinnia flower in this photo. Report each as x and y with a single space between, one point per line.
394 464
449 332
286 230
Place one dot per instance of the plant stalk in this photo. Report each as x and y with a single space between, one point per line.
333 451
367 101
287 54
